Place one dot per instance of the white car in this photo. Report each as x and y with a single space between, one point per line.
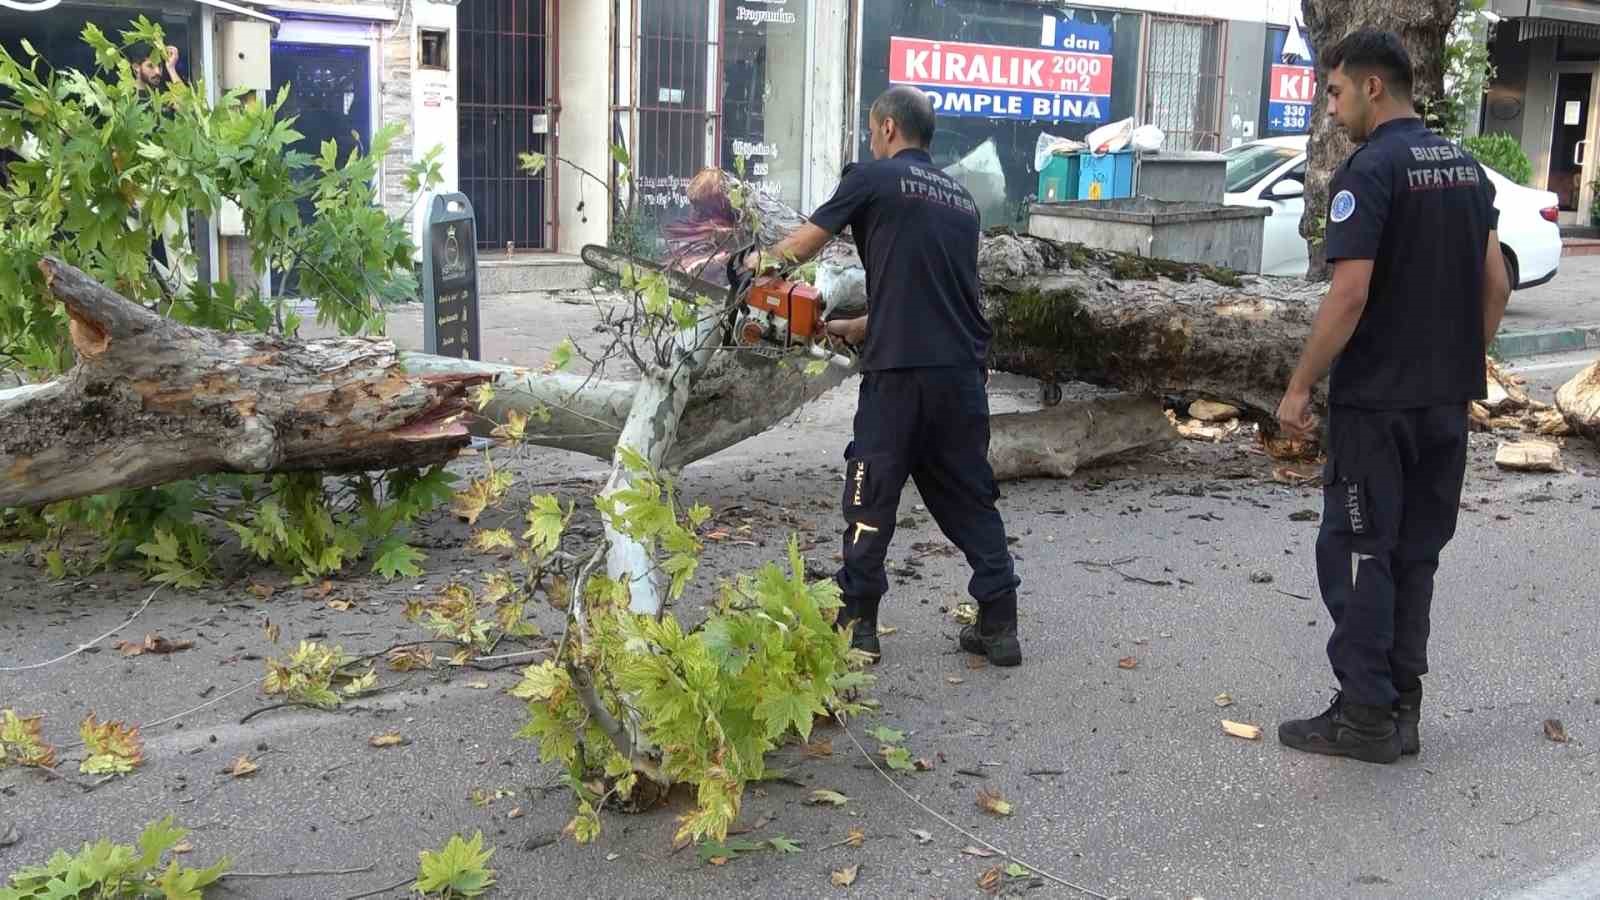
1272 172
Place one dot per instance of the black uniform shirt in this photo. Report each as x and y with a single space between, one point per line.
1421 209
917 232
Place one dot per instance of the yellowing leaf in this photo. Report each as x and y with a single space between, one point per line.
153 643
340 605
22 742
965 613
114 748
1223 700
1248 732
482 396
1127 662
980 852
514 428
387 739
478 685
241 767
991 879
490 541
991 801
856 837
846 876
831 798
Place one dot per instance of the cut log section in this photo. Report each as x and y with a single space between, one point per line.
1058 441
1579 403
151 401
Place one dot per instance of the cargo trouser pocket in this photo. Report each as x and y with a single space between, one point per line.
872 485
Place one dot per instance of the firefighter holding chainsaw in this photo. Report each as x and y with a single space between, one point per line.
924 410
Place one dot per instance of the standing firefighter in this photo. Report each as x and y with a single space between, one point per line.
923 410
1418 290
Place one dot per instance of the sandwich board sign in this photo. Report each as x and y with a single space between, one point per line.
450 279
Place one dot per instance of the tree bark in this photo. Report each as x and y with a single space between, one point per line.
151 401
1424 27
1058 441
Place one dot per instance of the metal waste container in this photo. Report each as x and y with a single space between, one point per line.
1206 233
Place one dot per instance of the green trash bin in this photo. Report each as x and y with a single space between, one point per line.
1058 182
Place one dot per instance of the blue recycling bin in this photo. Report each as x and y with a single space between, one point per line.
1105 177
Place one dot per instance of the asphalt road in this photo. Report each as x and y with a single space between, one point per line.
1122 778
1569 300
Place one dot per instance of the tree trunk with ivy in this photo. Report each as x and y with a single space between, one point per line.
1424 27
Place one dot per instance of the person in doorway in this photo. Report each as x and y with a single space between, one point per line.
151 73
924 409
1418 291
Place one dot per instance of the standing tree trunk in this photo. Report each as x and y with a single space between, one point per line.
1424 27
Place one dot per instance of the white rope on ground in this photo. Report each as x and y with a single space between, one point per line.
962 831
83 647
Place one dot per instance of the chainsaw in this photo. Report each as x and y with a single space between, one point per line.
767 314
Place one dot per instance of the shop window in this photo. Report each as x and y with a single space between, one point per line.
433 48
764 71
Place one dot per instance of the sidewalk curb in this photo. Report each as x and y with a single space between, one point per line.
1535 343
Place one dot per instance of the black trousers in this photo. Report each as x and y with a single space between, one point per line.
931 425
1391 498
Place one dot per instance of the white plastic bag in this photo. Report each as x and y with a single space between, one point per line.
1148 139
1110 138
1049 145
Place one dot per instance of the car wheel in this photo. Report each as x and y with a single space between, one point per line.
1512 275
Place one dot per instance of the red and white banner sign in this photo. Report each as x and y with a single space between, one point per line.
952 64
1293 84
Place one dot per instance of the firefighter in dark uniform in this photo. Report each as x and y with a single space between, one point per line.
924 408
1419 287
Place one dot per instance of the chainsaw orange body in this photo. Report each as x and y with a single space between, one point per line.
781 312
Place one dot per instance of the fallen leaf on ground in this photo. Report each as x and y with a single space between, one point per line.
1017 870
153 643
387 739
241 767
923 764
405 659
478 685
718 535
323 590
1555 731
1127 662
954 679
1223 700
846 876
272 631
114 748
182 847
923 837
856 837
340 605
991 801
980 852
831 798
965 613
1238 730
515 813
819 749
991 879
262 591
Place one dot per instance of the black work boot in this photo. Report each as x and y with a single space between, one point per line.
994 637
1367 733
863 618
1408 719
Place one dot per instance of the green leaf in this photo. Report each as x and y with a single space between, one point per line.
784 845
620 154
547 521
899 759
1016 871
782 711
831 798
531 163
459 869
396 558
815 368
561 356
886 735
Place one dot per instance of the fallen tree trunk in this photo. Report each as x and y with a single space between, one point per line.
1579 403
1058 441
152 401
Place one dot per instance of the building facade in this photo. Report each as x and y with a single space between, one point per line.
1546 54
779 88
